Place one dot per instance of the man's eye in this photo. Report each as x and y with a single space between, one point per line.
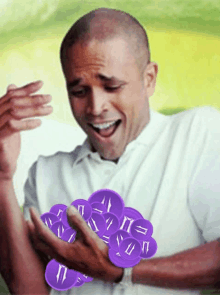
112 89
79 93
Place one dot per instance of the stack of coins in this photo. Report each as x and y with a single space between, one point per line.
125 231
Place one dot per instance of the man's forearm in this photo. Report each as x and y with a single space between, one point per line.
194 268
20 266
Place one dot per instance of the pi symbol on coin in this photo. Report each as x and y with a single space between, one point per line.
141 229
58 228
79 283
129 216
149 248
98 208
116 239
59 277
58 209
83 207
130 248
49 219
84 277
69 235
97 224
110 199
117 260
112 223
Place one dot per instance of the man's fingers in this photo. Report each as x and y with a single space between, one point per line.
78 223
18 125
43 110
45 234
34 100
13 91
27 89
11 87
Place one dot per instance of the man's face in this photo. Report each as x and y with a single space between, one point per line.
107 94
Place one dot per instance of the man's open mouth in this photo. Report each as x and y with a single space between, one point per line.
105 129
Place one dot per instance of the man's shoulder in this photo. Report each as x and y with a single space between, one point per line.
60 158
207 116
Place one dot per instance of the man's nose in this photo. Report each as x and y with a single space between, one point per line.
97 103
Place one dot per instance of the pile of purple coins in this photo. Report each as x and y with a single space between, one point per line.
125 231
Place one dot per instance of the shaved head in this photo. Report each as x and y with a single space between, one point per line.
104 24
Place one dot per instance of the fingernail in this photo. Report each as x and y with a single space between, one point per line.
71 210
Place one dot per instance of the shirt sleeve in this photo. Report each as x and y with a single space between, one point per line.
204 188
30 192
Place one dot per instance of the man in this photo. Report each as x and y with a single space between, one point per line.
165 167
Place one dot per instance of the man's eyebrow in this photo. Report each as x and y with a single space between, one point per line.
102 77
73 83
111 79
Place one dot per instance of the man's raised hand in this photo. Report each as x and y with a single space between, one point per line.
18 104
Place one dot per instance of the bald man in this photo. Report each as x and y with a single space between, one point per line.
167 168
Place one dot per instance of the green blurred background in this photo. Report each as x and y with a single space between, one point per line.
184 40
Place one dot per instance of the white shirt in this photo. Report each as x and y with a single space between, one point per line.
50 137
169 173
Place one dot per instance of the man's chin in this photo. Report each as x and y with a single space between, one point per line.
107 156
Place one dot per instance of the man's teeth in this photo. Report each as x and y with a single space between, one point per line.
104 125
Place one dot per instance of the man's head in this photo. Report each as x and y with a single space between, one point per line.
106 62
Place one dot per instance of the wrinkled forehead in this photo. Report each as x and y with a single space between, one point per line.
113 54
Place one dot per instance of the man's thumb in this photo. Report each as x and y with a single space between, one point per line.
11 87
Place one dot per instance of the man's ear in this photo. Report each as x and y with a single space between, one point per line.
150 76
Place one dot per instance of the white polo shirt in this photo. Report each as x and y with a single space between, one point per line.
170 173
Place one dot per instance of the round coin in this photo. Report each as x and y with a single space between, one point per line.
59 277
97 224
141 229
49 219
83 207
130 248
113 201
117 238
58 228
117 260
58 209
129 216
148 248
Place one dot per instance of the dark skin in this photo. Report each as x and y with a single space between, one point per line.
91 101
17 104
197 268
194 268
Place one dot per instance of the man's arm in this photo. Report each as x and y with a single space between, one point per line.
194 268
21 268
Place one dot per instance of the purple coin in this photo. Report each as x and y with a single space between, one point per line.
98 207
69 235
59 277
79 283
83 207
97 224
148 248
85 278
58 228
129 216
58 210
64 218
117 260
141 229
112 201
112 223
105 239
49 219
117 238
130 248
